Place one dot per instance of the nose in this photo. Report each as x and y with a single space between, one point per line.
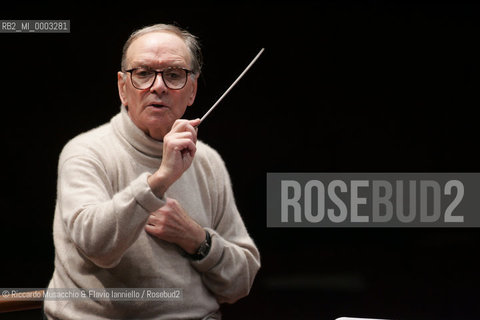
158 85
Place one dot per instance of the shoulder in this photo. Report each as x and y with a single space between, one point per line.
206 155
209 163
91 143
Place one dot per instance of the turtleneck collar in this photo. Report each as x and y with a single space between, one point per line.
125 127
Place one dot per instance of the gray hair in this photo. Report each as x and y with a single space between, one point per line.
191 41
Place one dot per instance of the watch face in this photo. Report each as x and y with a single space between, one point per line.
203 250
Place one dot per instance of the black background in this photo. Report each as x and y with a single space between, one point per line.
391 86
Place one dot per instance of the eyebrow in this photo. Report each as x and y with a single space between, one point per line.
143 64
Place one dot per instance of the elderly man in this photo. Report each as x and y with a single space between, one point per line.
142 204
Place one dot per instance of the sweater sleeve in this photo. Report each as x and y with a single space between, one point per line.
102 224
233 261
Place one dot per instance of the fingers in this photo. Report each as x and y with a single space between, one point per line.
182 125
161 222
170 214
179 148
194 123
171 223
183 136
185 146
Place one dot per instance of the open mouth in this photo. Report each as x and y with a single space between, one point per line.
158 105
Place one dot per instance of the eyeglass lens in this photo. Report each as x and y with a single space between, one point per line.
174 78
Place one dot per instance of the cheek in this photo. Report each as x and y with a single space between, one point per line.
134 98
182 102
186 97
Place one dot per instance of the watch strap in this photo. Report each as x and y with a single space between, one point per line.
203 249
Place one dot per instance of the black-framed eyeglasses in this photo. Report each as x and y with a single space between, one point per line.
174 78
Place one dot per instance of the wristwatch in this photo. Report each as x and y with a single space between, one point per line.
204 248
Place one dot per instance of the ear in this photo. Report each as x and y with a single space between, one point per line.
122 84
193 93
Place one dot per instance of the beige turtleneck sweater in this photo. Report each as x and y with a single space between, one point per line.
103 203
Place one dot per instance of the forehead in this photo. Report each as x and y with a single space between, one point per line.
157 49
